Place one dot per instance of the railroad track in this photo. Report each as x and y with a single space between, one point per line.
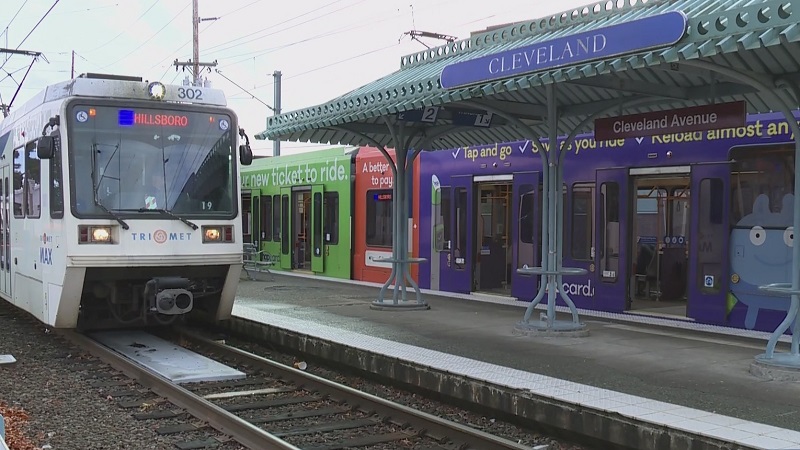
280 407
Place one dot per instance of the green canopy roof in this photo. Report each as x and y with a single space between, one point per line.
755 38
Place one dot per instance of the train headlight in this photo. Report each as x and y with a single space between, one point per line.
211 234
95 234
156 90
101 234
217 233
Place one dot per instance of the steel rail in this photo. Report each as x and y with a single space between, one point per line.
239 429
432 426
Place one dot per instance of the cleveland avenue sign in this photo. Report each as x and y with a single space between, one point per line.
638 35
694 118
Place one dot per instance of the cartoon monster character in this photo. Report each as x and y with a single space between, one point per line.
761 253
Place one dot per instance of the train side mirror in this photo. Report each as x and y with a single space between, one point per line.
46 147
245 155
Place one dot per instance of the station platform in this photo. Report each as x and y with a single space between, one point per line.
679 381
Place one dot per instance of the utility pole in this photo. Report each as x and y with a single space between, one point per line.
195 61
276 145
72 70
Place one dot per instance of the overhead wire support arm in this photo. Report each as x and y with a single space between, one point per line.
416 34
245 90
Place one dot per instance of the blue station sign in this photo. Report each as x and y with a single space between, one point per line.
637 35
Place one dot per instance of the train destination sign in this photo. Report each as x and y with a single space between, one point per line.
637 35
682 120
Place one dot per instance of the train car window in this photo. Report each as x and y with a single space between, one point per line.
757 171
56 183
257 233
276 218
3 225
441 217
330 217
582 237
317 226
609 256
266 218
19 177
379 217
527 215
461 222
7 250
284 238
32 182
710 259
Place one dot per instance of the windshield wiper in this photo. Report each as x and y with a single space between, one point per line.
111 213
168 213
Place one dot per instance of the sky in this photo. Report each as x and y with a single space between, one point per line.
323 48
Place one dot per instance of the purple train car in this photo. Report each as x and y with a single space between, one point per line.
683 225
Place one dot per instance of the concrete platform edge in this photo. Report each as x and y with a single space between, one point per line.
553 416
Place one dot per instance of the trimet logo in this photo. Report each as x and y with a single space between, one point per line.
161 236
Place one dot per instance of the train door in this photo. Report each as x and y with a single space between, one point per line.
5 231
458 276
659 238
301 228
493 255
286 231
708 250
525 233
247 217
612 192
317 238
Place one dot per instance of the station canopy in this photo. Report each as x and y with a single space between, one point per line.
755 39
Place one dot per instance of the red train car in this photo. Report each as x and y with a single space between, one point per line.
373 215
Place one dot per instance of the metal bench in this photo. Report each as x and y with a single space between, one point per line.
255 261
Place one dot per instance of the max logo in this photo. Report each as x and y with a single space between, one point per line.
46 255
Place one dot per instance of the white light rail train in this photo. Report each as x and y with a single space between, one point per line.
119 203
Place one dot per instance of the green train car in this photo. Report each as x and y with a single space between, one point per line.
309 195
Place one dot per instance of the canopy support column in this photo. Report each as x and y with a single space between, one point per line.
401 258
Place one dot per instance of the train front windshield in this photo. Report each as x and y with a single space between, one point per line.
127 160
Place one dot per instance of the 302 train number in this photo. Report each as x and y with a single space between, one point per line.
190 93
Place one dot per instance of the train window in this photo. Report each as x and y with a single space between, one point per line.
441 217
317 225
19 176
379 218
3 225
461 224
330 217
56 183
609 213
711 260
582 239
757 171
32 182
266 218
527 214
257 233
7 250
284 224
276 218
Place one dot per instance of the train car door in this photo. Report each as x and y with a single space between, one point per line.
525 233
612 207
286 230
317 238
708 250
458 276
5 232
